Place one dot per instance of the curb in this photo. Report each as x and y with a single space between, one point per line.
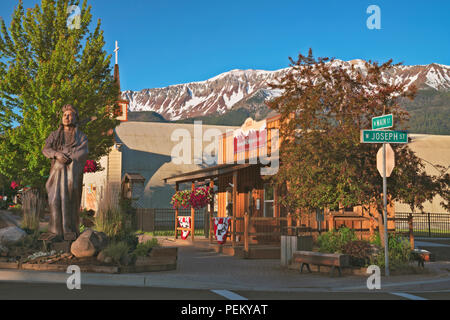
26 276
128 280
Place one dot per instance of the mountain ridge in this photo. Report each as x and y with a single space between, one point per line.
221 93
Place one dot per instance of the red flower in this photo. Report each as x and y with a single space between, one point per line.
199 198
14 185
90 166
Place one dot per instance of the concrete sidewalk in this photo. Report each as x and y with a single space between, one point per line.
199 267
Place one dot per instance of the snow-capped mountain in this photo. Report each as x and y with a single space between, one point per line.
220 93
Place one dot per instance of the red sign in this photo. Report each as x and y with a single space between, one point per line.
251 141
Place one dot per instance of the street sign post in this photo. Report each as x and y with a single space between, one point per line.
386 235
383 122
383 136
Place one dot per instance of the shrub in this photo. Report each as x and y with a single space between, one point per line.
109 218
110 222
129 237
360 252
113 221
334 241
117 251
399 251
142 249
87 218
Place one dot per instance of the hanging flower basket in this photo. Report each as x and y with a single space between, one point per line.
90 166
181 199
200 197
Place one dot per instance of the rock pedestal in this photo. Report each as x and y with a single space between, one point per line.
11 235
89 243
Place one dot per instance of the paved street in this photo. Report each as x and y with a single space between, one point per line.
13 291
203 274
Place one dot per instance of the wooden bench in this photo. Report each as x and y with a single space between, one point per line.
333 260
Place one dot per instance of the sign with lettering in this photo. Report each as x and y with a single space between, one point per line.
382 122
383 136
251 136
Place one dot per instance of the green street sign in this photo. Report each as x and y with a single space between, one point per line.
382 122
383 136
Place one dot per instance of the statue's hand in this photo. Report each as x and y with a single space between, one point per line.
61 157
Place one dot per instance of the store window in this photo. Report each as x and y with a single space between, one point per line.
268 200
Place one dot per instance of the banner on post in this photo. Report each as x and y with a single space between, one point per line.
184 222
221 228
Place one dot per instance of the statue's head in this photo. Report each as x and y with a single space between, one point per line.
70 115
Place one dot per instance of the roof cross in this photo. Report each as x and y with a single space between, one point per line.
116 50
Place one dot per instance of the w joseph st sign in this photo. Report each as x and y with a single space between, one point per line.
383 136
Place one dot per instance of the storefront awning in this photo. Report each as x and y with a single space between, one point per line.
207 173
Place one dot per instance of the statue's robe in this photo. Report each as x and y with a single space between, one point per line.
64 185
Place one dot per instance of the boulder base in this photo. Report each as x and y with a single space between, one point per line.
89 243
11 234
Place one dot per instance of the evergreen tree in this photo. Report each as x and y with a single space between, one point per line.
46 62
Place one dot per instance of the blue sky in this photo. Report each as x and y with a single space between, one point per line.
164 42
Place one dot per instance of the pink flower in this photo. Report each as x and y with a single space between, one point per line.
14 185
90 166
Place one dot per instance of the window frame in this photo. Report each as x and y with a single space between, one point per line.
265 214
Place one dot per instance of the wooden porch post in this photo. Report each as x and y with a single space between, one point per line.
233 231
289 224
176 214
276 211
211 213
246 227
192 216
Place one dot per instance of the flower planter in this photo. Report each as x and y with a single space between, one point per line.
197 198
159 259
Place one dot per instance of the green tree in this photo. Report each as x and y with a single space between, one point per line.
45 64
444 182
323 107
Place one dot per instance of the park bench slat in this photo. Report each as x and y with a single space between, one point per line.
333 260
325 259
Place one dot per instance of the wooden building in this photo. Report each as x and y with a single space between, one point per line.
242 181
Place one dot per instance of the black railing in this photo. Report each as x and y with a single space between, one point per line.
432 225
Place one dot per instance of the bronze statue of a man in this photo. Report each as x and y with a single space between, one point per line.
67 147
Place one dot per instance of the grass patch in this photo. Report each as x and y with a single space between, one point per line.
117 251
143 249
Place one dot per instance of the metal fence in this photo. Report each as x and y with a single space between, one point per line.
433 225
163 219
